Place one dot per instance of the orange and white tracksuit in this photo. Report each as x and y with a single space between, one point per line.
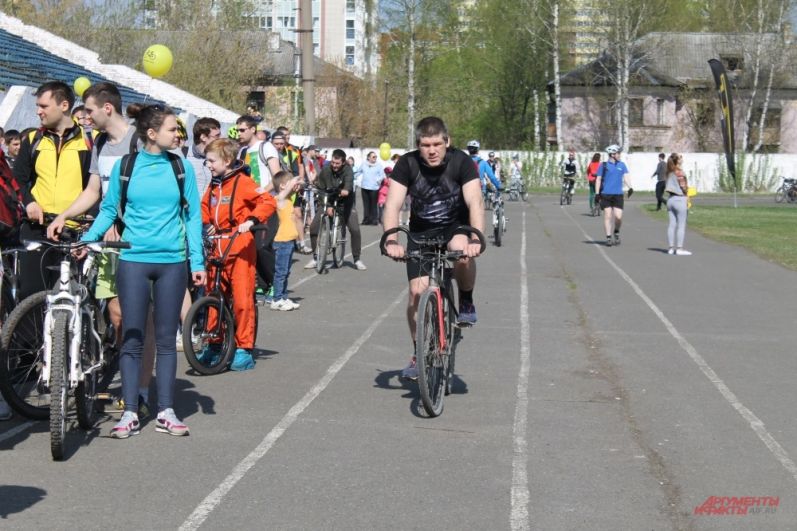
228 202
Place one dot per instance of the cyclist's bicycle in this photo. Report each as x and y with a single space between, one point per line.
9 281
787 191
331 231
566 196
436 334
517 190
499 217
74 357
210 319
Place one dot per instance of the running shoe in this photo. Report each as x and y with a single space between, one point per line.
128 425
291 304
683 252
167 422
617 238
671 251
310 265
609 241
242 361
467 314
360 265
209 355
179 342
410 372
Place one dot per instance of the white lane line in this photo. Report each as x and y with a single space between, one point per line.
756 424
519 516
200 514
305 279
14 431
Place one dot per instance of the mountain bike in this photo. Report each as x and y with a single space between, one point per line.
331 231
787 191
499 218
210 319
436 334
9 281
517 190
74 358
566 196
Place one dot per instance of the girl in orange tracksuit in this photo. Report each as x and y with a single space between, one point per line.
232 203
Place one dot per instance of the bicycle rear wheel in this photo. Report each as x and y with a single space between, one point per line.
198 340
59 383
86 390
21 359
323 245
780 195
432 364
498 221
338 243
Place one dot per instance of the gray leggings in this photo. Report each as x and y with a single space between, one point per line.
676 208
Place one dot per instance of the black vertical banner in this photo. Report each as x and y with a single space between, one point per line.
726 122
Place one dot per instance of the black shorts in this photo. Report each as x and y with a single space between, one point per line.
414 265
612 201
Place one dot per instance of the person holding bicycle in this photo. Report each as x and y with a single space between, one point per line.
338 175
446 193
159 215
232 203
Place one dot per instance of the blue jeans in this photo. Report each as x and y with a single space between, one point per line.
282 268
135 282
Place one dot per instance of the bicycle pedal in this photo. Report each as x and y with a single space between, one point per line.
103 396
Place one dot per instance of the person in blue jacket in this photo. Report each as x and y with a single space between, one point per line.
157 223
485 170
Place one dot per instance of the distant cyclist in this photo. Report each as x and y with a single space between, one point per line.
609 182
486 173
569 171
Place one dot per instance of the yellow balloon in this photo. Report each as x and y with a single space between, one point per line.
157 60
384 151
81 84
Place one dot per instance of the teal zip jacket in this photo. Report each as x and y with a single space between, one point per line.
155 227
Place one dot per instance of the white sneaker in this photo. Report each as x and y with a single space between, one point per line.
282 305
5 411
310 265
683 252
410 372
671 251
179 342
291 305
360 265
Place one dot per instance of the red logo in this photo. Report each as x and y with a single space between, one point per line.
738 506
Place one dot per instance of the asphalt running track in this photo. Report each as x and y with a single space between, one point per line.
603 388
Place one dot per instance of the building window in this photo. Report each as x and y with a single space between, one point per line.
350 30
659 112
350 6
286 22
732 63
635 113
350 55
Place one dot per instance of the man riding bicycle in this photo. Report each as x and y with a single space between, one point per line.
446 193
569 171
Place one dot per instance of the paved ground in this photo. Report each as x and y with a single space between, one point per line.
603 389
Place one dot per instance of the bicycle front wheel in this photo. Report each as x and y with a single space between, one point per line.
432 364
563 196
780 195
324 237
339 243
208 336
21 359
59 383
498 225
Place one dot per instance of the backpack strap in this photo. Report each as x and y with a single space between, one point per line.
35 139
179 173
232 198
100 142
125 171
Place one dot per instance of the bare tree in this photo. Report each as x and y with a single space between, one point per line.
778 25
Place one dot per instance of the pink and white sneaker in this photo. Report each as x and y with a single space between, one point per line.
167 422
128 425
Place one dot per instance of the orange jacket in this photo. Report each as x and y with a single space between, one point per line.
233 201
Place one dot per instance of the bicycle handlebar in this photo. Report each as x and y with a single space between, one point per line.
438 240
32 245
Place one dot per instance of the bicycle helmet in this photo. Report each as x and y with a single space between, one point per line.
232 132
491 154
474 144
614 148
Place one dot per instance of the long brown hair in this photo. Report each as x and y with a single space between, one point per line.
672 162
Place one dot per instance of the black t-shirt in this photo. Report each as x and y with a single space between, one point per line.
436 193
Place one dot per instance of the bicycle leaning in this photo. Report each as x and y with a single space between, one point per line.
787 191
437 332
209 325
331 230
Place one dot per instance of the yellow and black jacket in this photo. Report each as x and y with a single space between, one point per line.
53 170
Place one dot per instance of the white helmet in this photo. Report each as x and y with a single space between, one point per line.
614 148
474 144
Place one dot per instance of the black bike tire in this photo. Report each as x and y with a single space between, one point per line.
59 382
431 364
24 326
454 334
524 196
110 352
195 317
497 233
569 198
86 390
780 195
322 245
562 196
339 244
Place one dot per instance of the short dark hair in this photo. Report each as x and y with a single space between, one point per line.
250 121
662 155
430 126
204 126
60 91
339 154
103 93
11 134
78 108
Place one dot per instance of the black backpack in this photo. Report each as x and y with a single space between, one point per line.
126 171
